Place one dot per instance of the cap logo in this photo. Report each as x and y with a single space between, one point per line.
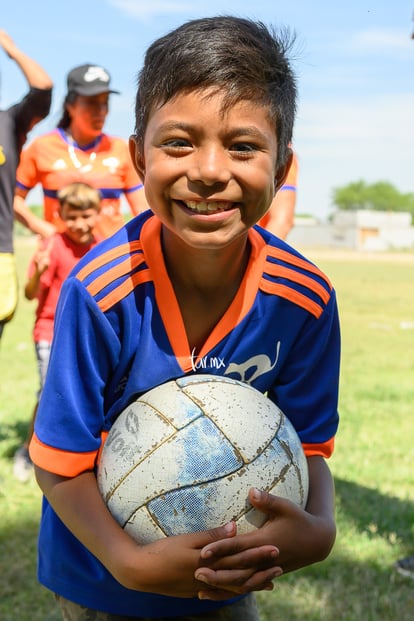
96 73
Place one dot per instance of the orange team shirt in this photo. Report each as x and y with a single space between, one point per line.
289 185
54 162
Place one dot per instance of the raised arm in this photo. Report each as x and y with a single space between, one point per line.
35 75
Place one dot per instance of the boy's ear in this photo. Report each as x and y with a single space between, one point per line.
136 157
282 171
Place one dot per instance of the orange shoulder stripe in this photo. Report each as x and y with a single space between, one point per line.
274 269
63 463
324 449
124 289
128 265
291 294
287 257
105 258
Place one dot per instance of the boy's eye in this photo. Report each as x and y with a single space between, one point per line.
176 143
243 147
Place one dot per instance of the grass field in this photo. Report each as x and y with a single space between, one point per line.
372 464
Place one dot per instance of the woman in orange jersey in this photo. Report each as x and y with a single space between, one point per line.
78 151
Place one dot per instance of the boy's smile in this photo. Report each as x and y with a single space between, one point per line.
209 175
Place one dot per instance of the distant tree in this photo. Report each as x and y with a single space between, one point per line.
350 197
380 196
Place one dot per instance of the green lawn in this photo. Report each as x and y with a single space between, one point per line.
372 464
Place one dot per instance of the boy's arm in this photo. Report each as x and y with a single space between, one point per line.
303 537
166 566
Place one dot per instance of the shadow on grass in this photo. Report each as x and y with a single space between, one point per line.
340 589
375 513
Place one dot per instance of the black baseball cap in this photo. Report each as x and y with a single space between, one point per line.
89 80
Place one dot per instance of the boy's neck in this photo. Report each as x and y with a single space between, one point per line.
207 270
205 285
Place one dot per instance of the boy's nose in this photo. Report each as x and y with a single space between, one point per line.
209 167
80 225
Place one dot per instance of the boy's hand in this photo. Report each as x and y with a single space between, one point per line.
42 260
303 538
42 256
166 566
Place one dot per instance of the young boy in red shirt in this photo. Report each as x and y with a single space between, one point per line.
51 263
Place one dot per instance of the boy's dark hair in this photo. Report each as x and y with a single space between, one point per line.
243 59
80 196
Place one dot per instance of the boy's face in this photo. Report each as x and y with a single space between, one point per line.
79 223
209 177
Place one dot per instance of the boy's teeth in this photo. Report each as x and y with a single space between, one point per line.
205 207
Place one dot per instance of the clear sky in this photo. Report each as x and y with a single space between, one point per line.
354 62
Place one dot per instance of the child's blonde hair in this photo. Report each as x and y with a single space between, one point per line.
80 196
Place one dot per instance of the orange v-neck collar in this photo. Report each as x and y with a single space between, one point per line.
168 305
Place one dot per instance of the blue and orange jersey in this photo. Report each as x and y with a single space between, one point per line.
119 332
125 303
54 161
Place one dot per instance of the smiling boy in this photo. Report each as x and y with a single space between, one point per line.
192 280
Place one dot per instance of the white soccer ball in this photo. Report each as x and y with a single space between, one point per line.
183 457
